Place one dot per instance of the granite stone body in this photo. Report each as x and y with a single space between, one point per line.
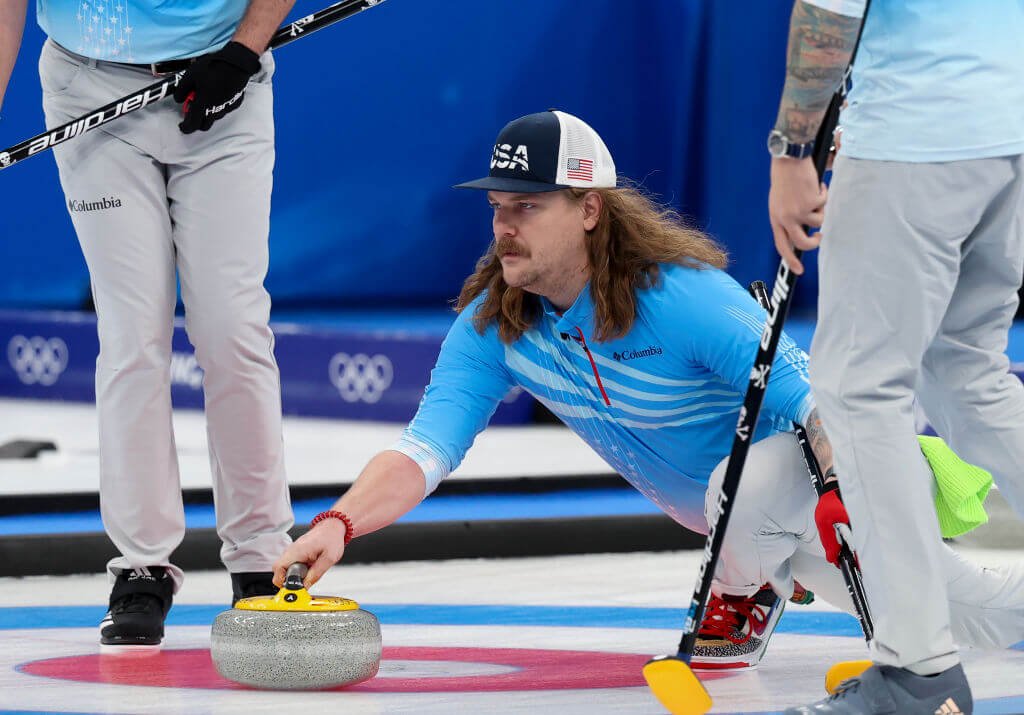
296 650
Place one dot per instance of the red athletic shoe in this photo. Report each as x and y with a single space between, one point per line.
735 630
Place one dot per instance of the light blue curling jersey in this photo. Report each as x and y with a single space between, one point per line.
935 80
660 405
140 31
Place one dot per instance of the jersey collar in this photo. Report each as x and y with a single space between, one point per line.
580 313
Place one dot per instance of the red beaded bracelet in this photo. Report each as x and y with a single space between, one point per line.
331 514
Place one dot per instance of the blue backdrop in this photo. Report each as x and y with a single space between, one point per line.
379 115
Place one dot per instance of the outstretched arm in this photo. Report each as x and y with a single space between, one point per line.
465 387
390 485
12 25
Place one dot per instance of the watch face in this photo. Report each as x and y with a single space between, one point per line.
777 144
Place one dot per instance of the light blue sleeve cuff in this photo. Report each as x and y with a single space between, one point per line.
850 8
805 409
434 467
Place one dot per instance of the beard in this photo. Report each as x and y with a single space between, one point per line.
519 277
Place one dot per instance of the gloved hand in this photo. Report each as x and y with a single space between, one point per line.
830 515
214 85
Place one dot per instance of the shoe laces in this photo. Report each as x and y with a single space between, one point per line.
725 619
847 686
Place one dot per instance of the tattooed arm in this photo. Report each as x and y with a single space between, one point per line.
830 513
820 45
820 445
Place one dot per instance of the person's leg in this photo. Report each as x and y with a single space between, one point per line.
889 261
822 578
772 538
772 517
219 186
772 514
986 605
115 192
115 195
966 387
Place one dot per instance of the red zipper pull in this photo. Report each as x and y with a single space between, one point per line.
593 365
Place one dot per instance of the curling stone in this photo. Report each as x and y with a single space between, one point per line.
295 641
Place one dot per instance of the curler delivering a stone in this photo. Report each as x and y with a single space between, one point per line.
295 641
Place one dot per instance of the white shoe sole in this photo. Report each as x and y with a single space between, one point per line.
111 649
126 648
715 664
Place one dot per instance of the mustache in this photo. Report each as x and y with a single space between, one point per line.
503 246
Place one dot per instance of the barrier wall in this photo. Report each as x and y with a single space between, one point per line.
324 372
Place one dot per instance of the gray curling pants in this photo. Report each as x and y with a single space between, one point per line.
920 264
147 200
772 538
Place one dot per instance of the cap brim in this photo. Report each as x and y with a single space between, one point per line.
516 186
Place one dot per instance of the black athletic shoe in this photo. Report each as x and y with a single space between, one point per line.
252 583
139 603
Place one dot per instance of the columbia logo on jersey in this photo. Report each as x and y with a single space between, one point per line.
504 157
949 708
75 206
634 354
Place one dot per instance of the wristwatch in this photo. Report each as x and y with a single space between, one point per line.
779 145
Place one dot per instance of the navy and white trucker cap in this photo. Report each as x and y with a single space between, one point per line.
547 151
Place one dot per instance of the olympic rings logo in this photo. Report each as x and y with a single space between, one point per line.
37 360
360 377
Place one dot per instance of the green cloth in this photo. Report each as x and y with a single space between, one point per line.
962 488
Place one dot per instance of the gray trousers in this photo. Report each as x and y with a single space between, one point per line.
148 201
920 264
772 538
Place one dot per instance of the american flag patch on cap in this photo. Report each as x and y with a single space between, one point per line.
581 169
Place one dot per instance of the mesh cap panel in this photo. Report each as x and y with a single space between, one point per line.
583 159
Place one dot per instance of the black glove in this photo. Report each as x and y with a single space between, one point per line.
214 85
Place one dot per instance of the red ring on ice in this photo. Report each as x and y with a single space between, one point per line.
536 670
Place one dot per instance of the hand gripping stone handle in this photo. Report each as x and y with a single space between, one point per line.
294 576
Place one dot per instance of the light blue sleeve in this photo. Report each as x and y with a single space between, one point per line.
719 327
466 385
850 8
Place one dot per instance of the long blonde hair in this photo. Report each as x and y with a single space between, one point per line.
632 236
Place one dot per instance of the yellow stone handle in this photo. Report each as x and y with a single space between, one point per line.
293 596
